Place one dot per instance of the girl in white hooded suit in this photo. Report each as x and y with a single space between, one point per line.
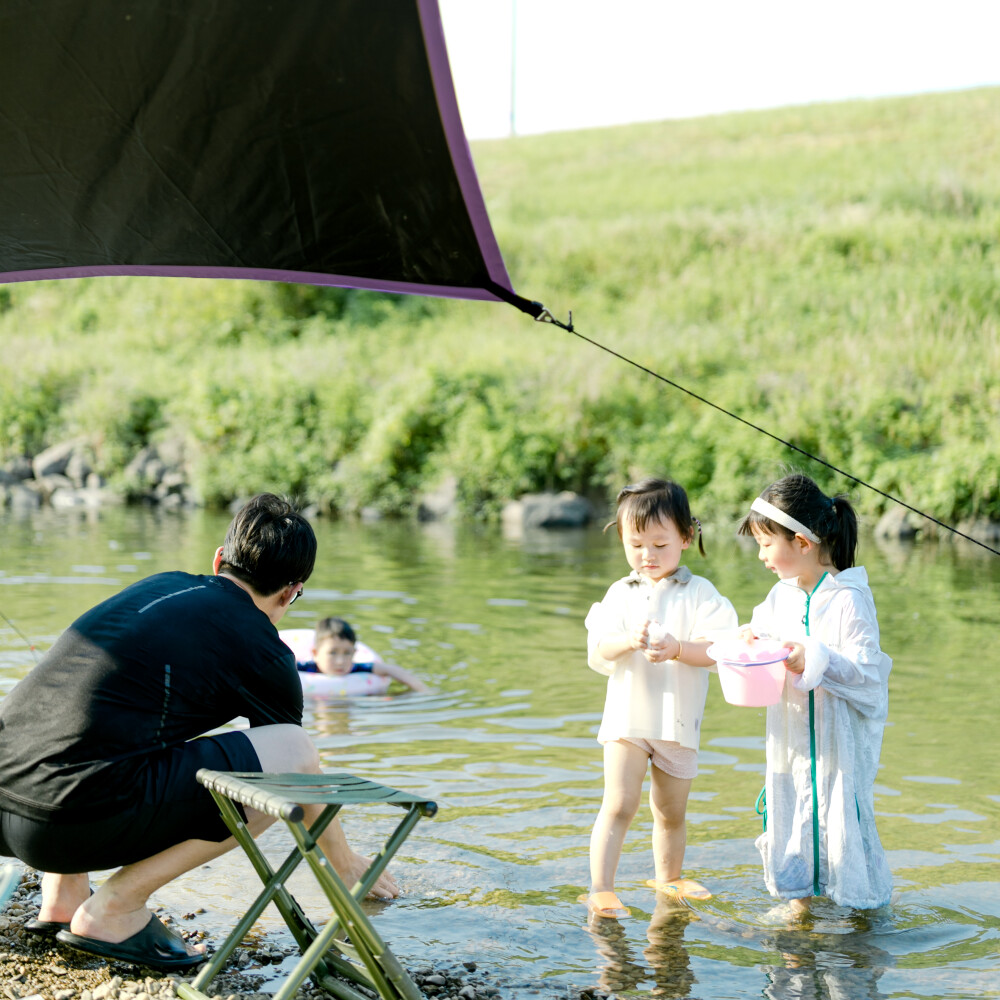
824 736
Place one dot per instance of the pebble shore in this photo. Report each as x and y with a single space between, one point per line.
35 967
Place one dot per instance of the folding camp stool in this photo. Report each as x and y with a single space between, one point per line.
348 945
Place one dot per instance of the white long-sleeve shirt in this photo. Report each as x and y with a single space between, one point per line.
656 701
848 674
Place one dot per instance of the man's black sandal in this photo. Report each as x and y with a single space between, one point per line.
156 946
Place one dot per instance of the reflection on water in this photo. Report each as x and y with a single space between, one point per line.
666 959
818 967
505 744
802 961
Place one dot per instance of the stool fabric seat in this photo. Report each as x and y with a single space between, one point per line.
348 947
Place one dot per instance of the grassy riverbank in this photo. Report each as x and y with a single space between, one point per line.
831 273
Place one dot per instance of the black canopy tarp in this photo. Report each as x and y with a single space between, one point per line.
308 140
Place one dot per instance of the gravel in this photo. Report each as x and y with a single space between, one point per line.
35 967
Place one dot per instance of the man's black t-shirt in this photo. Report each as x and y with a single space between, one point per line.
166 660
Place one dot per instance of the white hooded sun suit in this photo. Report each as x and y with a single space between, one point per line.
824 738
656 701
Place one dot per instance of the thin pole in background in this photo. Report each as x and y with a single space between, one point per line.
513 67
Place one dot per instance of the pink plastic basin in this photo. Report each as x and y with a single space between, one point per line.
751 674
752 684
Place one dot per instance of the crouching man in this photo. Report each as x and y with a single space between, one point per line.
100 743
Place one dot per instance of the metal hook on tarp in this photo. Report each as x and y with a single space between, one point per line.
535 310
546 317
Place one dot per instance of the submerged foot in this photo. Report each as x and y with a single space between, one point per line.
605 905
682 888
790 913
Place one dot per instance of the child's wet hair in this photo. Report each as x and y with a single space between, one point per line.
334 628
657 500
831 519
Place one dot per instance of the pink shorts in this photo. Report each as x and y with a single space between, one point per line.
667 755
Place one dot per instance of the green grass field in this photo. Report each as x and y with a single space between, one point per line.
830 273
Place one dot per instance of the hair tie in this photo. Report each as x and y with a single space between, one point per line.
696 521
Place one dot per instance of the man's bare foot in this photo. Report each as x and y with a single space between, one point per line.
351 868
385 887
62 896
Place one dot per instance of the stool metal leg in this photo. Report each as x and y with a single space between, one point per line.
386 974
380 969
274 883
348 945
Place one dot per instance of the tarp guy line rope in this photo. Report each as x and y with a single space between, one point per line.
546 317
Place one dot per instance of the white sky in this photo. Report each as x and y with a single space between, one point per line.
585 63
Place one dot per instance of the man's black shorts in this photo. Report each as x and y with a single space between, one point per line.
174 808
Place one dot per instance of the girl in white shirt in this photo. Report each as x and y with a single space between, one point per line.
647 637
824 736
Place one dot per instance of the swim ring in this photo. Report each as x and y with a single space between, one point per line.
300 641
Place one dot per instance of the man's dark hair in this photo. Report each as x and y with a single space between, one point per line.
269 545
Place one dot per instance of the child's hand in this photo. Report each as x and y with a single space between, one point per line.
639 637
796 659
746 633
668 649
661 642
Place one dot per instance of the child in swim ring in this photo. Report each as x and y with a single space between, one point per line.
336 652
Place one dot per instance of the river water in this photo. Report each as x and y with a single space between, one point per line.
505 745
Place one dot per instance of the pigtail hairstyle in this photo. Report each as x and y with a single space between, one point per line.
657 500
832 520
844 541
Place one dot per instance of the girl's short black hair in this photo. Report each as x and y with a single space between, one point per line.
831 519
657 500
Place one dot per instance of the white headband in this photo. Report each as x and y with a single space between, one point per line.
777 515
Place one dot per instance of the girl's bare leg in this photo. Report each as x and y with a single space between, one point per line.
624 770
668 800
